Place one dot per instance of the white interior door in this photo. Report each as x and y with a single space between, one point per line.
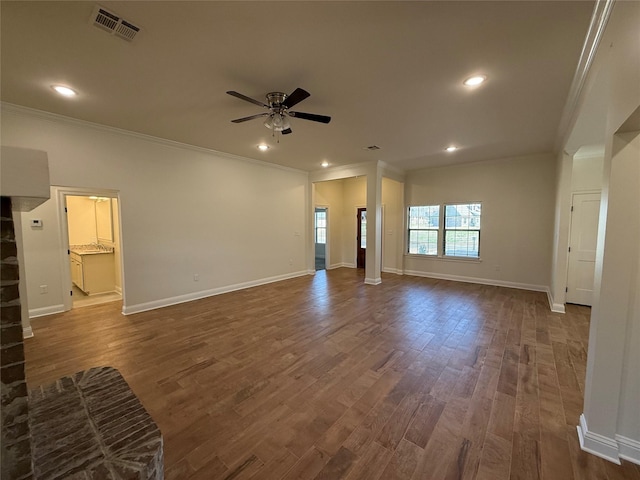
582 247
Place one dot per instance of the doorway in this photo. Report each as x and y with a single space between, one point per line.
583 235
92 247
320 234
361 238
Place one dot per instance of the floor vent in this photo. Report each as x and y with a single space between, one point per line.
112 23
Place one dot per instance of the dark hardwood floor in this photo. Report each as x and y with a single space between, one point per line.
327 378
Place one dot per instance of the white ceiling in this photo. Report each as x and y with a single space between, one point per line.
388 73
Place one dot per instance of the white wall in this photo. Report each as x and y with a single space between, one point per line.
586 172
184 211
561 227
393 226
116 244
354 197
517 196
43 260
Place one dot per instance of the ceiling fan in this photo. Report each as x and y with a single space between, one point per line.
278 104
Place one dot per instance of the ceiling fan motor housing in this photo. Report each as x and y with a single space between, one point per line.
275 99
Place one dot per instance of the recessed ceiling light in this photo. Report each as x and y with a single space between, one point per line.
263 148
451 148
475 80
64 91
325 164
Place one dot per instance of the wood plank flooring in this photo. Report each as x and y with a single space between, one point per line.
327 378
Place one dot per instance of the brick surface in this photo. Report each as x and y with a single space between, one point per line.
9 293
9 251
10 354
11 373
91 425
15 442
12 331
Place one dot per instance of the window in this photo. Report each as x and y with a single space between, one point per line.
462 230
424 223
321 225
456 235
363 227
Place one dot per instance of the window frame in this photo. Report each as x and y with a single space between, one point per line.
441 232
316 227
445 229
432 229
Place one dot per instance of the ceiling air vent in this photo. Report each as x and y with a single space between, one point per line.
372 147
113 24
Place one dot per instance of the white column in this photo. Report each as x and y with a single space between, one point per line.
374 225
611 390
561 233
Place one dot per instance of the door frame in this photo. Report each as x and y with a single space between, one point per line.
326 245
382 240
358 234
63 228
571 226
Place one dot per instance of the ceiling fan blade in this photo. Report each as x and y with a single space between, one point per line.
244 119
311 116
296 97
286 131
246 99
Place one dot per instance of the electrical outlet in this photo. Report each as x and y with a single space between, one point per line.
44 289
196 277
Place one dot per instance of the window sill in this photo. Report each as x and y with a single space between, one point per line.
443 258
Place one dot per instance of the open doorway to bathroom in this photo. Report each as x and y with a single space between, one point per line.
93 227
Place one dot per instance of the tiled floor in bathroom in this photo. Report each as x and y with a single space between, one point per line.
81 299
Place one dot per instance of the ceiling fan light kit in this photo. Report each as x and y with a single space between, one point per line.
277 122
278 104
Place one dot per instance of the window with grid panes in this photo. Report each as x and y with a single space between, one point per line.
321 226
462 230
424 225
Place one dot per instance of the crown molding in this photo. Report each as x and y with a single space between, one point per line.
57 118
599 18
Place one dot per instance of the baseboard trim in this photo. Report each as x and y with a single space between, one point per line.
27 332
189 297
481 281
44 311
629 449
596 444
373 281
397 271
555 307
341 265
118 290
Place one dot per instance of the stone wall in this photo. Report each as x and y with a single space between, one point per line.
15 437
